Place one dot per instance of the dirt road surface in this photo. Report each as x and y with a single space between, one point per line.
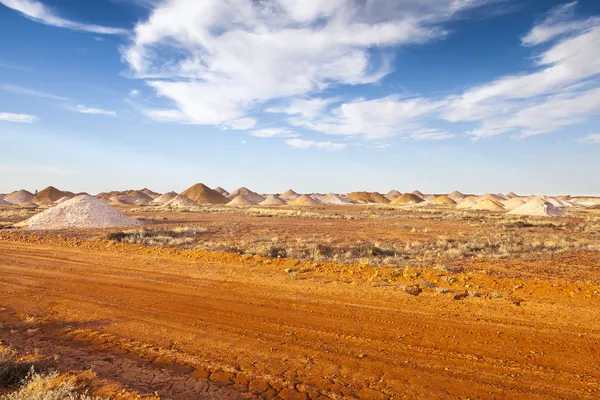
210 326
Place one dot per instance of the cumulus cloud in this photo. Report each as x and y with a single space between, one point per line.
97 111
307 144
273 132
216 60
38 12
592 138
306 108
559 21
22 118
31 92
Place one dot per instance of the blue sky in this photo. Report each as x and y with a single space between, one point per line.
343 95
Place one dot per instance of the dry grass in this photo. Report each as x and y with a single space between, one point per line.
248 211
48 387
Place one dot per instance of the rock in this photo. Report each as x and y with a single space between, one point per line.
413 290
292 394
222 378
258 386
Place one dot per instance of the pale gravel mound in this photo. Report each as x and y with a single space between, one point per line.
467 202
557 202
79 212
19 197
537 207
62 199
488 204
129 199
273 200
492 196
180 201
248 195
289 195
513 203
511 195
457 196
430 197
407 198
334 199
418 193
393 195
164 198
305 200
241 200
443 200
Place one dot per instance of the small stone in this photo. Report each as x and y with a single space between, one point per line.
259 386
292 394
222 378
413 290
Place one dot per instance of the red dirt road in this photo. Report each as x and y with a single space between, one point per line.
204 327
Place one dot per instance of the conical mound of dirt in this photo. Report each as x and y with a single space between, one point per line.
537 207
334 199
19 197
272 200
418 193
126 199
443 200
202 194
289 195
488 204
430 197
164 198
150 193
241 200
79 212
180 201
513 203
556 202
4 202
393 195
511 195
407 198
367 197
492 196
48 195
468 202
305 200
222 191
456 196
62 199
248 195
139 196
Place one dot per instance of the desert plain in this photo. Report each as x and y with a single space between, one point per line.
207 294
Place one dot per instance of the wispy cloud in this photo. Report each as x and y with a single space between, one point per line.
431 134
34 169
592 138
13 66
308 144
22 118
274 132
97 111
38 12
240 124
31 92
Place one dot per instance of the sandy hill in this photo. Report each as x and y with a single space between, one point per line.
289 195
334 199
78 212
418 193
4 202
488 204
468 202
305 200
63 199
513 203
248 195
556 202
393 195
202 194
492 196
48 195
272 200
457 196
443 200
140 196
165 197
180 201
224 192
241 200
19 197
430 197
407 198
150 193
368 197
537 207
511 195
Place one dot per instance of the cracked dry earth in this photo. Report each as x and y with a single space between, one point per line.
195 325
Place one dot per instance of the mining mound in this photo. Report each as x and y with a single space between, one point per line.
247 194
407 198
48 196
222 191
511 195
4 202
495 197
443 200
272 200
305 200
202 194
79 212
393 195
164 198
488 204
367 197
19 197
537 207
456 196
418 193
241 200
334 199
513 203
150 193
140 196
62 200
289 195
180 201
556 202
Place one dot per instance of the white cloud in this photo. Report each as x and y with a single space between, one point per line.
31 92
307 144
558 22
216 60
241 124
134 93
306 108
97 111
38 12
378 145
165 115
22 118
34 169
592 138
431 134
273 132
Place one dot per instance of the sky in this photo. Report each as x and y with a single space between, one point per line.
339 95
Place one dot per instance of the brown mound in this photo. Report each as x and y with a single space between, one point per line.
456 195
180 201
289 195
224 192
202 194
488 204
248 194
149 192
48 195
418 193
163 198
241 200
305 200
140 196
393 195
19 197
273 200
443 200
368 197
495 197
512 195
407 198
